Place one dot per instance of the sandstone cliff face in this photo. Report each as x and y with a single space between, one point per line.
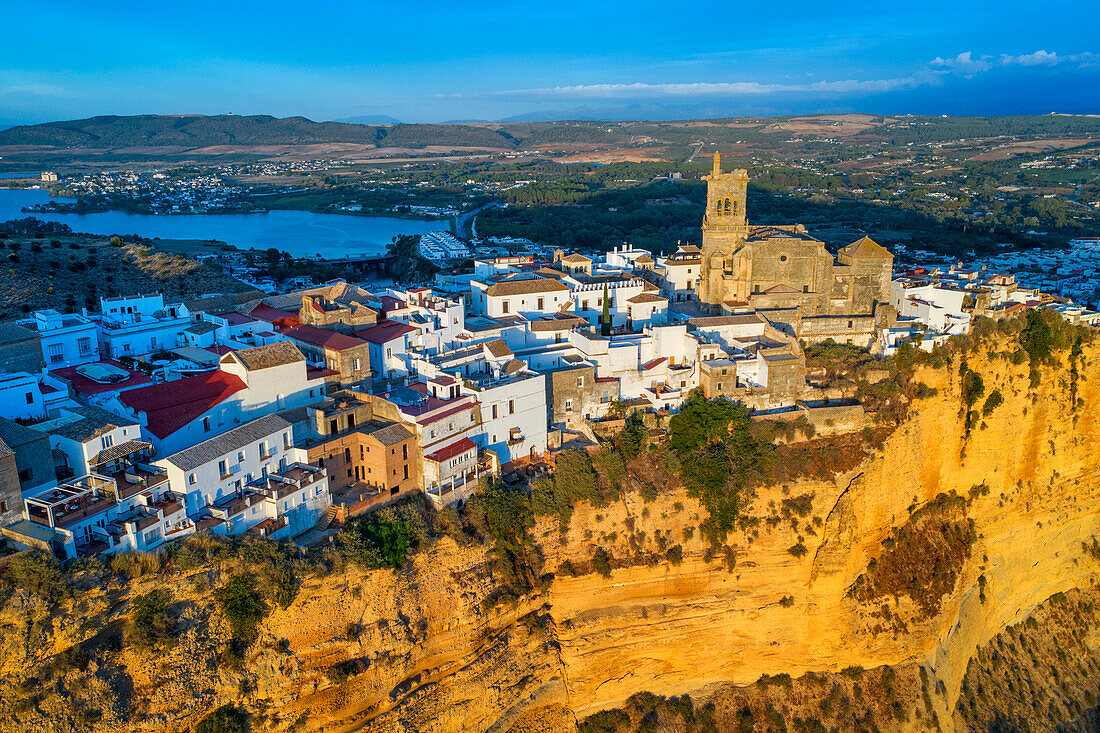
430 656
673 629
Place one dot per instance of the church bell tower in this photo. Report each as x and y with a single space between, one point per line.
726 197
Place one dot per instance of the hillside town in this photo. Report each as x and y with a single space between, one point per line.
148 420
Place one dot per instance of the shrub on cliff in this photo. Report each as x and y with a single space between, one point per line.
227 719
574 480
503 515
243 607
35 573
601 562
150 623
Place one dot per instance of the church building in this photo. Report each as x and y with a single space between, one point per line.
787 274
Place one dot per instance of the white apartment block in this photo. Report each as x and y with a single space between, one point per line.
67 339
140 324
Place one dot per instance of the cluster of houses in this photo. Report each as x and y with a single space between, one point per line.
149 420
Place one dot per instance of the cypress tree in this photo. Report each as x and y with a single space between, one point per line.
605 323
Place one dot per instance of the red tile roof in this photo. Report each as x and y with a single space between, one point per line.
384 331
652 364
85 386
463 406
171 405
265 312
323 337
457 449
319 372
234 318
390 303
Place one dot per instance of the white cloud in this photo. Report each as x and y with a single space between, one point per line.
964 64
733 88
1043 57
1050 58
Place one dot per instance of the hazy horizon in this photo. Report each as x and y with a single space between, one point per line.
436 62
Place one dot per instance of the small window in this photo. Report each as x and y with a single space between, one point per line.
206 425
504 306
347 455
221 468
850 324
580 381
540 306
190 479
511 407
406 470
405 452
782 258
30 398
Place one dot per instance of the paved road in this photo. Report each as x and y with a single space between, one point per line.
466 223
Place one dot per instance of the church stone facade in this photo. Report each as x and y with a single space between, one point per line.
787 274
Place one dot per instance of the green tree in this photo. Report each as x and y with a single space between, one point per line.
605 320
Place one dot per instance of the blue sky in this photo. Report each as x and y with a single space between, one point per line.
437 61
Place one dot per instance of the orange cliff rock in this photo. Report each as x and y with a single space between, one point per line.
432 656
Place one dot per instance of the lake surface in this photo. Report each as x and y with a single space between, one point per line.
301 233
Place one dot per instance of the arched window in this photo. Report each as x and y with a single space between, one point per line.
718 206
727 206
735 208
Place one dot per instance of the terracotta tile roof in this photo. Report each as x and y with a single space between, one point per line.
94 421
118 451
323 337
557 324
647 298
653 364
391 434
234 318
265 312
228 442
867 248
171 405
498 348
271 355
529 286
781 288
574 257
201 327
384 331
741 319
445 454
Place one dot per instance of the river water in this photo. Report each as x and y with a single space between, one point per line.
301 233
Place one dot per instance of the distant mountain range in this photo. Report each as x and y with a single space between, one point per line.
369 120
198 131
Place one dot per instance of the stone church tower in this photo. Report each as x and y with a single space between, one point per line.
784 271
